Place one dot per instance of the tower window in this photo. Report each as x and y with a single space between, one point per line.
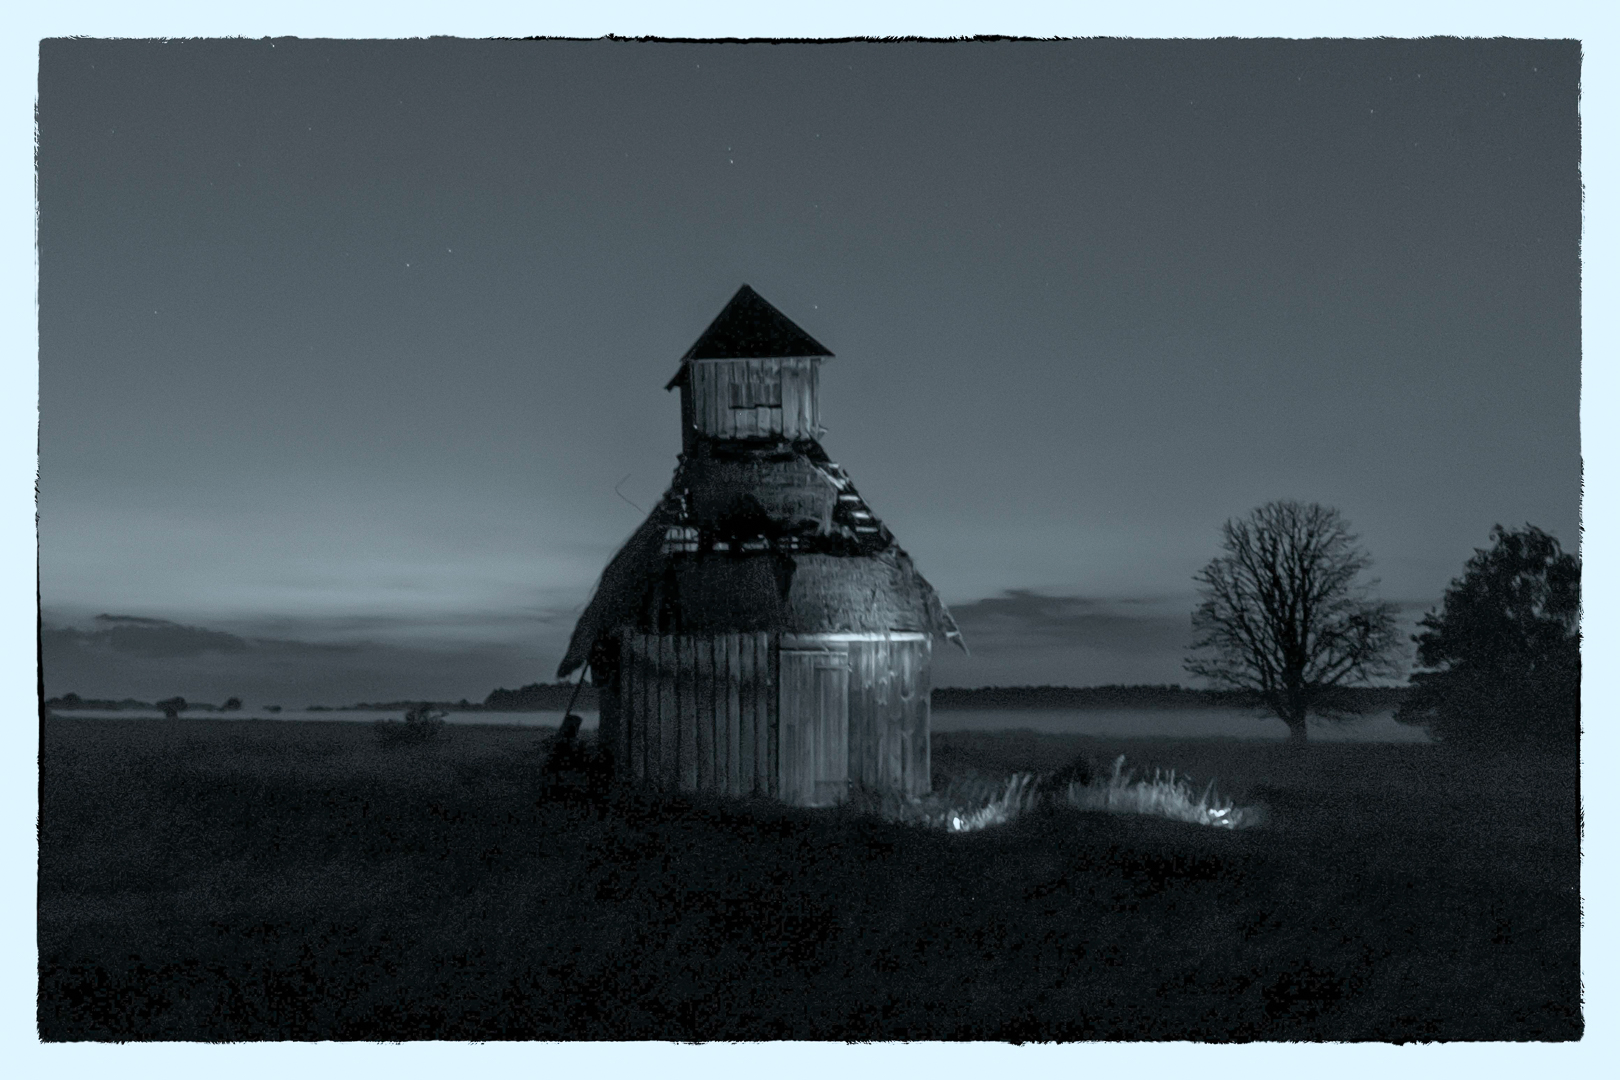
754 392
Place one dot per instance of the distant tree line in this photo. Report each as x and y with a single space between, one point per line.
541 697
1361 699
173 706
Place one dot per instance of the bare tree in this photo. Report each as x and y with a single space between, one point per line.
1283 616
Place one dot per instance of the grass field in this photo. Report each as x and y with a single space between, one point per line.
265 880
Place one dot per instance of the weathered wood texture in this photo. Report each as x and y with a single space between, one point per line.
737 714
751 399
692 711
888 714
814 705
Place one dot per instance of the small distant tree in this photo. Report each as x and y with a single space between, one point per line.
231 704
422 723
1503 652
1284 617
172 707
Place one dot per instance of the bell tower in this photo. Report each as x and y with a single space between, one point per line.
752 375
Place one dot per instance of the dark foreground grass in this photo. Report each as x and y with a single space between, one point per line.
274 880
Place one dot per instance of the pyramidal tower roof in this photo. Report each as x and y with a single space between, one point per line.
749 328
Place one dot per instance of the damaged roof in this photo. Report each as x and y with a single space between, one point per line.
749 539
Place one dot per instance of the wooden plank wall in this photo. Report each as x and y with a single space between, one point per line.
702 714
888 715
698 713
797 417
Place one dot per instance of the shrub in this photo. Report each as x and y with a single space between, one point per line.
421 724
1503 652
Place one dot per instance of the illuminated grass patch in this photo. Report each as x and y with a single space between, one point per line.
968 804
1165 794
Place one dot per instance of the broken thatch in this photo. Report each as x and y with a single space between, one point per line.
759 538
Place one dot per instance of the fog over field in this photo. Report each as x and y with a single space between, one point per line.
1018 639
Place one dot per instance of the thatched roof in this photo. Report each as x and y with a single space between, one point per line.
751 538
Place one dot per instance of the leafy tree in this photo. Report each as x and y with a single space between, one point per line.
1503 652
172 707
231 704
1284 618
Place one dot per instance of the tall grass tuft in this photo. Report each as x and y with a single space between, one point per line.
1017 797
1165 795
964 804
973 802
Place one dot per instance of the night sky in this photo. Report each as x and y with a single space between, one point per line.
352 354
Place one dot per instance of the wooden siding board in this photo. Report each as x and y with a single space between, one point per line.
894 709
748 692
815 399
655 712
710 760
688 712
908 693
647 674
734 774
767 708
859 667
632 706
790 400
703 712
646 713
668 714
807 399
714 714
716 401
697 381
894 758
648 654
722 694
787 687
832 769
921 748
877 712
875 705
650 748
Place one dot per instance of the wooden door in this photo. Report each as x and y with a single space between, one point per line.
814 724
